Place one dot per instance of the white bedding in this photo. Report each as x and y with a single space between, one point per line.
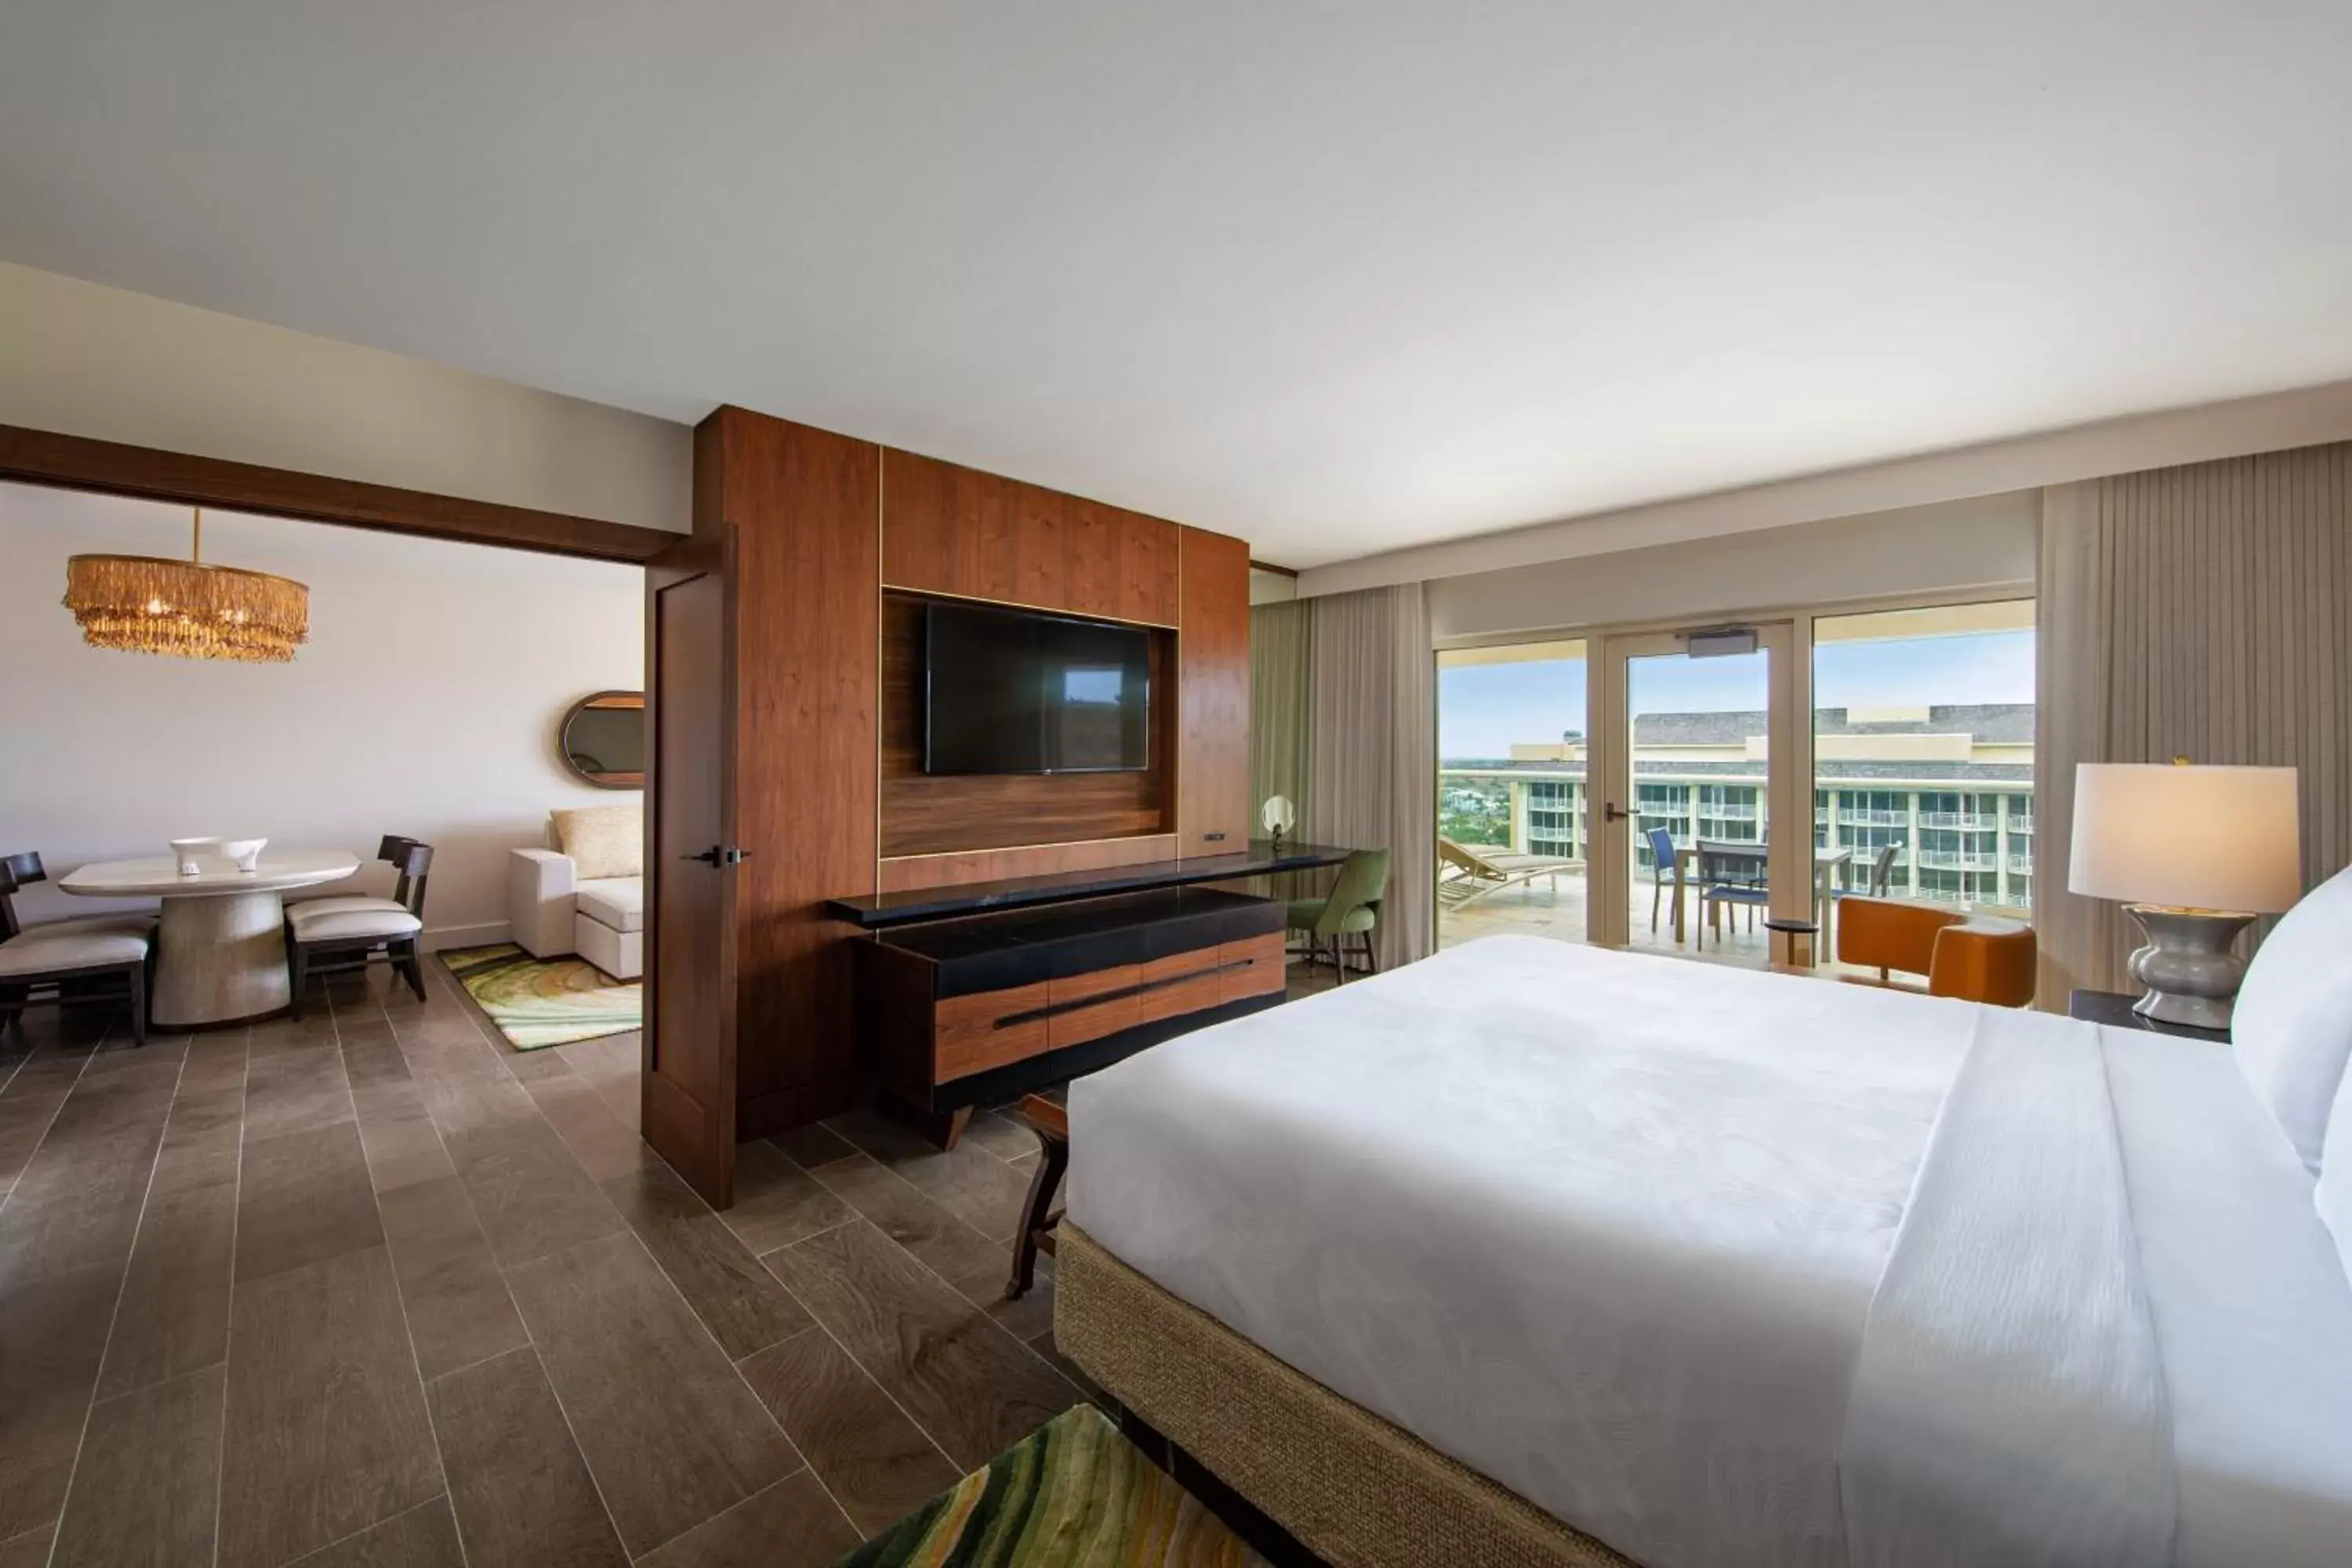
1609 1228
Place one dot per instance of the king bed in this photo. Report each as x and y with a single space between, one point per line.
1531 1253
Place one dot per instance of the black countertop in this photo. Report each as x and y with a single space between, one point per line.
881 910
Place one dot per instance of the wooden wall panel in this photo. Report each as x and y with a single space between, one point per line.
1212 688
924 814
904 876
805 506
951 529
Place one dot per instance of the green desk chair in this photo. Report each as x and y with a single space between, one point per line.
1353 909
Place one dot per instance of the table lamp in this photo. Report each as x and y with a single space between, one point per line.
2195 853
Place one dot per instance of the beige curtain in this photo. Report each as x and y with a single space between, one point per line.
1281 662
1373 750
2205 612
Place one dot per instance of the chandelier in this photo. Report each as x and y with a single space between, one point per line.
143 604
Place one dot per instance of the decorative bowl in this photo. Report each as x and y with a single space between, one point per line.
191 852
244 853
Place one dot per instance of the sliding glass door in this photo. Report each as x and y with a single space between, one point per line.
1687 861
1512 851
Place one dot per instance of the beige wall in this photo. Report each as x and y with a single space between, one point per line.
424 703
1957 545
84 360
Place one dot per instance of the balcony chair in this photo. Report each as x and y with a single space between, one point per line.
68 959
1352 909
1469 872
1733 872
1976 958
1665 869
348 931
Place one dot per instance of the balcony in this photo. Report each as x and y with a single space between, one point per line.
1957 860
1868 816
1969 821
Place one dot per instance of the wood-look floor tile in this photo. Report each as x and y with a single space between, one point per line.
522 1490
458 1311
863 1446
424 1537
295 1089
1025 1318
604 1145
173 1317
531 1195
302 1198
669 1431
792 1524
977 1186
776 1202
907 1217
326 1432
78 1203
973 1387
52 1335
736 1298
1044 1345
813 1146
466 1089
24 1119
993 1132
403 1145
30 1550
147 1485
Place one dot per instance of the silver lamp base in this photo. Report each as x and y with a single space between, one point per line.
2190 973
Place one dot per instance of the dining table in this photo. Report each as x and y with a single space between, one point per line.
220 946
1826 865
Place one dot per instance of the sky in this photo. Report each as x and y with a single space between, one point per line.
1482 709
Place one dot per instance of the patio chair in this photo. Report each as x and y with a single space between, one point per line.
1732 872
1666 870
1467 873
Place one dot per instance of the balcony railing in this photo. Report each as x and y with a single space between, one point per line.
1872 817
1972 821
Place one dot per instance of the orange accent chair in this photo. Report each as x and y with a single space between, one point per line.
1976 958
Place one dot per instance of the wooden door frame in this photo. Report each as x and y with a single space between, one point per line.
659 1104
1788 788
148 473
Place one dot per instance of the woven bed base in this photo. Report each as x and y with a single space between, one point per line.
1355 1489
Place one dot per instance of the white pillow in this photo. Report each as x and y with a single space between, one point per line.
2292 1028
2334 1194
603 840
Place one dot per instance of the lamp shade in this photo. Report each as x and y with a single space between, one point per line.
2188 837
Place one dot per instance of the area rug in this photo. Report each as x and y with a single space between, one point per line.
1071 1494
541 1002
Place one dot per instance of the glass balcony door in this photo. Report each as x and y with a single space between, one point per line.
1687 861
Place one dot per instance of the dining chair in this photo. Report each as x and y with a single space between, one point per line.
1666 872
1352 909
25 866
73 963
348 931
1731 872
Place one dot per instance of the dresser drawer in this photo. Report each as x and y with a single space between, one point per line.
966 1036
1250 968
1091 1020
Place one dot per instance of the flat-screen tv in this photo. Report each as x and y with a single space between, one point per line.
1009 691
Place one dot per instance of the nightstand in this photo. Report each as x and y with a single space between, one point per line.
2114 1007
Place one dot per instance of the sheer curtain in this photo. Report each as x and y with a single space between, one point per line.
1373 750
2203 611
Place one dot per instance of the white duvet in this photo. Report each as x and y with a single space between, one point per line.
1622 1234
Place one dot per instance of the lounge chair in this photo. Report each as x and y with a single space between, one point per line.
1467 873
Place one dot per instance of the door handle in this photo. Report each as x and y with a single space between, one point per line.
708 857
720 855
1616 813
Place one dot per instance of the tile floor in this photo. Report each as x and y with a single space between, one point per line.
373 1288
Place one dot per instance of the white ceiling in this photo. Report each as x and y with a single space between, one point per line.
1336 277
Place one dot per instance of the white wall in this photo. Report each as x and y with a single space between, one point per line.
85 360
426 702
1986 543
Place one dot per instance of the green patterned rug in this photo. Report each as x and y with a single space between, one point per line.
541 1002
1071 1494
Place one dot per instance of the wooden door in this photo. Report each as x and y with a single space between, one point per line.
690 853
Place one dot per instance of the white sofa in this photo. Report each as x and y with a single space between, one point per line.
554 912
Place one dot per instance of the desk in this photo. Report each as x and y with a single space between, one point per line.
220 952
1826 863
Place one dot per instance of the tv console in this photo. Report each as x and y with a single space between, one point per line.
956 1012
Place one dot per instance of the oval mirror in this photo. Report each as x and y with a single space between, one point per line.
602 740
